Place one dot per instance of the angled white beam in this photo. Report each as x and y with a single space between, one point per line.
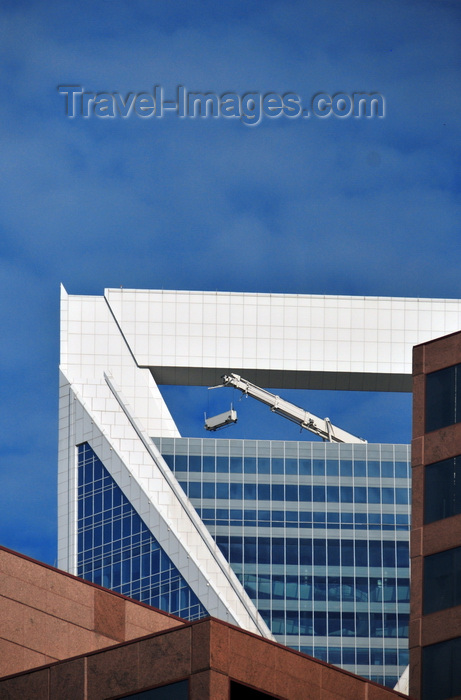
279 340
104 399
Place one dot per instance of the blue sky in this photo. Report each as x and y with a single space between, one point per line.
327 206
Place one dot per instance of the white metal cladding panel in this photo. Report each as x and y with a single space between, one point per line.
279 333
141 475
92 343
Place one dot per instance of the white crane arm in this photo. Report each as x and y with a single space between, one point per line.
304 419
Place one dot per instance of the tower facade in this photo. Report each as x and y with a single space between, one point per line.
303 542
435 631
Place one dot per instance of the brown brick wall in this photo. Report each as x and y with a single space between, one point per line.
441 535
47 615
210 653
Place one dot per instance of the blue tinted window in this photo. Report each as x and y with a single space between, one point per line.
235 549
360 494
208 464
181 463
319 467
320 554
292 551
222 490
222 465
387 470
347 495
374 495
151 577
264 465
333 552
361 553
278 550
318 494
305 493
291 492
208 490
305 466
195 463
375 553
194 489
401 470
387 495
249 465
347 553
236 491
402 496
236 465
249 555
249 492
333 494
264 492
373 469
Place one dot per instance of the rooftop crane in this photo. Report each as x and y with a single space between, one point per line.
322 427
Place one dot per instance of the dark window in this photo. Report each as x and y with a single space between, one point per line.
134 563
249 465
278 550
442 580
249 492
333 552
442 398
346 494
403 554
442 489
173 691
361 555
222 490
441 670
333 494
249 556
243 692
222 465
208 490
375 553
236 491
292 551
194 489
264 492
264 465
291 492
235 465
195 463
235 554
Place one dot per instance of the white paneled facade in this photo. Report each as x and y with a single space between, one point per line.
114 348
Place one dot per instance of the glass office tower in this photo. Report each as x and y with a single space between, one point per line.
117 550
305 541
318 536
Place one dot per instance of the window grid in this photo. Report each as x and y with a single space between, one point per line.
317 534
118 551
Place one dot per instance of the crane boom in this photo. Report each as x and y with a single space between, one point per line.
304 419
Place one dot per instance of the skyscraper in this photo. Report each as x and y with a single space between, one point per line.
307 542
435 639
